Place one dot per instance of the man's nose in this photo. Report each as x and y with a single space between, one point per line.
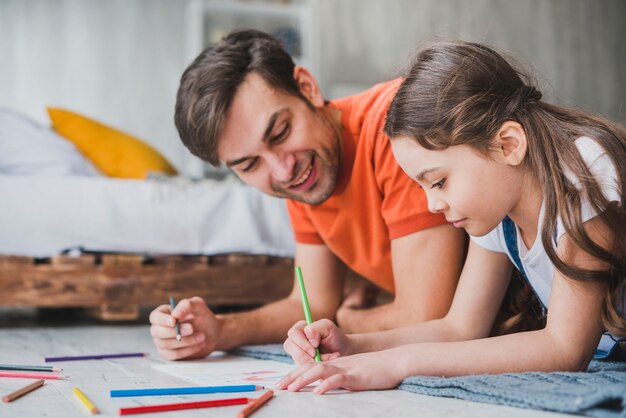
282 165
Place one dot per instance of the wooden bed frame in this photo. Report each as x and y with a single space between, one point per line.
115 286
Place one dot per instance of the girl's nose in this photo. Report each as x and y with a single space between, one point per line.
436 205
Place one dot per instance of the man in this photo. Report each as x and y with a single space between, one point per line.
244 103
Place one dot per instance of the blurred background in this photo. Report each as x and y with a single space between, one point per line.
119 61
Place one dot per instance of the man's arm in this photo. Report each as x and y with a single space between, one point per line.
204 332
323 275
426 267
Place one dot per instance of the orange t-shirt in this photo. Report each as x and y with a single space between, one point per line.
374 202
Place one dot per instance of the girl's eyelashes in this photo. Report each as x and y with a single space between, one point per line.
438 184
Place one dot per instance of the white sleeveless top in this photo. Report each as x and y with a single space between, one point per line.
537 266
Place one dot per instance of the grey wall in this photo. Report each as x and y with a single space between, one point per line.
119 61
577 47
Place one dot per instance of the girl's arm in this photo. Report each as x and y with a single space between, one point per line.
478 297
476 303
567 342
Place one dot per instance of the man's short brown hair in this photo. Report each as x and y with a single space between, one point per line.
209 84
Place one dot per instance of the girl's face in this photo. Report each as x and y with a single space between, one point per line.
473 191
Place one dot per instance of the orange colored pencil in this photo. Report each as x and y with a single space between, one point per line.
23 391
256 404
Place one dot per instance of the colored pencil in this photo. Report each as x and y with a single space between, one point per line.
23 391
173 305
184 405
85 400
305 306
184 390
25 368
255 404
25 375
93 357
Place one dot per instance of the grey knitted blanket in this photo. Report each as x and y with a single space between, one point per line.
599 392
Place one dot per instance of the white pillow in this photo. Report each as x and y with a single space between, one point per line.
27 148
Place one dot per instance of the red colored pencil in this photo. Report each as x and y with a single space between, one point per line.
33 375
184 405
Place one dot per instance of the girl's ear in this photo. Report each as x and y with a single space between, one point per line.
308 86
511 143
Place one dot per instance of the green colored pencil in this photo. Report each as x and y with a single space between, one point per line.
173 305
305 306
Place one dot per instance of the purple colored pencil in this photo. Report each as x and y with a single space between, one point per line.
93 357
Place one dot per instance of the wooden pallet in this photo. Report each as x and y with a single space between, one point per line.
115 286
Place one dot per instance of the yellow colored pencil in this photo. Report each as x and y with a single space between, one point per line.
85 400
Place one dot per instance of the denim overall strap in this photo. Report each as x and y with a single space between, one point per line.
608 343
510 237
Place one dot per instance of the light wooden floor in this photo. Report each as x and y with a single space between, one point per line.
24 343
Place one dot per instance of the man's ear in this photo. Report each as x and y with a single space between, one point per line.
511 143
308 86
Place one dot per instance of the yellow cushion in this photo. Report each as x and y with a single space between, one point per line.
113 152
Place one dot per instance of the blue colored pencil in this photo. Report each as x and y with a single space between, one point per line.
93 357
194 390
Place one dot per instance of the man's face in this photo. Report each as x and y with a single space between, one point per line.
279 144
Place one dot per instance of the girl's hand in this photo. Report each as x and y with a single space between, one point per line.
368 371
302 340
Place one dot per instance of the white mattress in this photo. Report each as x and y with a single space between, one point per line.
43 216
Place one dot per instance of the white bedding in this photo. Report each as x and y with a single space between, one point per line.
27 148
43 216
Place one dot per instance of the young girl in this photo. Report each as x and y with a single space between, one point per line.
536 186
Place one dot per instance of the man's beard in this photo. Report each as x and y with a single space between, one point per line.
328 170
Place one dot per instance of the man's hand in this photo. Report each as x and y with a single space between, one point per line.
199 327
361 297
303 339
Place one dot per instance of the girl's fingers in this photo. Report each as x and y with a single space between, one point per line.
291 376
333 382
330 377
330 356
320 329
328 335
297 353
312 334
297 337
310 375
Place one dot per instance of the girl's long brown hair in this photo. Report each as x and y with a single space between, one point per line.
462 93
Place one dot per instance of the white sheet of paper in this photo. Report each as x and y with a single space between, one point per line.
220 369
